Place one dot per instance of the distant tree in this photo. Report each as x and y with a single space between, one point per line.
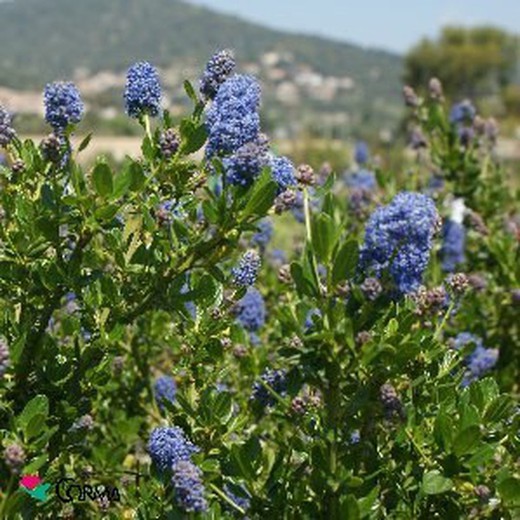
468 61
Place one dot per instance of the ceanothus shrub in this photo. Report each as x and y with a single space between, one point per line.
153 337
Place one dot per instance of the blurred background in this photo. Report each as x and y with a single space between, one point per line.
332 71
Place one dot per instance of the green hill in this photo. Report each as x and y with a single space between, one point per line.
43 40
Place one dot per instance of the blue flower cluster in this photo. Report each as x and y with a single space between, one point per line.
463 115
454 240
164 389
218 69
398 239
264 234
250 310
463 112
283 173
361 153
233 120
246 272
143 90
245 165
7 132
63 105
188 487
274 379
480 361
169 445
361 180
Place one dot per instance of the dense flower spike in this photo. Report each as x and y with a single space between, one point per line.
169 445
63 105
169 143
244 166
463 112
480 361
51 148
218 69
233 120
361 153
246 272
250 310
165 390
143 90
7 133
4 356
264 234
188 487
14 457
390 401
454 240
398 238
361 180
283 173
274 379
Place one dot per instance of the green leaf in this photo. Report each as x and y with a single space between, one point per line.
35 426
443 430
499 409
349 509
434 483
466 440
190 91
323 236
37 406
85 142
193 136
261 196
304 285
509 490
345 262
102 178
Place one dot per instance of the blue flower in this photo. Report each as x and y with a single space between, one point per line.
283 173
143 90
245 165
7 133
463 112
63 105
264 234
233 120
246 272
250 310
454 239
274 379
480 361
218 69
361 153
169 445
361 180
188 487
398 239
165 389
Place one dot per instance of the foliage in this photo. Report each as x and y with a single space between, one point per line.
339 402
469 61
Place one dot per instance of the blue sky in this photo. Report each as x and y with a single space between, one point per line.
389 24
